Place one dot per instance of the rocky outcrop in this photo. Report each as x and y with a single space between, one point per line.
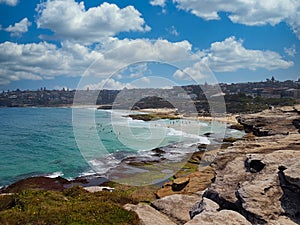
256 180
271 122
259 177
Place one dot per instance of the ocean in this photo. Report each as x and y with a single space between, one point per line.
84 142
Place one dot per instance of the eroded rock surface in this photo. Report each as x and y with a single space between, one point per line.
272 122
254 181
260 177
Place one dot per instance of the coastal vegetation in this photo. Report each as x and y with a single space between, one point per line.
242 103
72 206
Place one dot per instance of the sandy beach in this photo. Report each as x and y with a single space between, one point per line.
229 118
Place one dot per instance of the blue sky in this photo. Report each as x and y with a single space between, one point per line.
107 44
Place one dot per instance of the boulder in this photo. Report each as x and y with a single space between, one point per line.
149 215
217 218
205 205
176 206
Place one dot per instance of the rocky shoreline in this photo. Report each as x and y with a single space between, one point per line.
257 179
254 180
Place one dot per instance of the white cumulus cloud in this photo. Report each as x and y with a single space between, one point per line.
70 20
9 2
19 28
252 13
161 3
197 71
229 56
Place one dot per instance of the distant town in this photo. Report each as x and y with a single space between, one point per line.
239 97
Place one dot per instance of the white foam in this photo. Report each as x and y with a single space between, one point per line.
87 173
55 175
173 132
103 165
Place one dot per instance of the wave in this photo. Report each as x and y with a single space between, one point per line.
103 165
197 138
87 173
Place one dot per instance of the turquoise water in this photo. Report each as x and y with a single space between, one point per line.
44 141
37 141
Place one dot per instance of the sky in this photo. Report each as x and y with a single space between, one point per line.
146 43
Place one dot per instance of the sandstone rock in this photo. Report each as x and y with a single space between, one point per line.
282 220
263 123
292 174
176 206
287 109
297 108
217 218
258 196
257 177
149 215
164 191
205 205
198 181
261 197
180 183
197 156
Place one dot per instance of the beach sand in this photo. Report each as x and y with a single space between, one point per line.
229 118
